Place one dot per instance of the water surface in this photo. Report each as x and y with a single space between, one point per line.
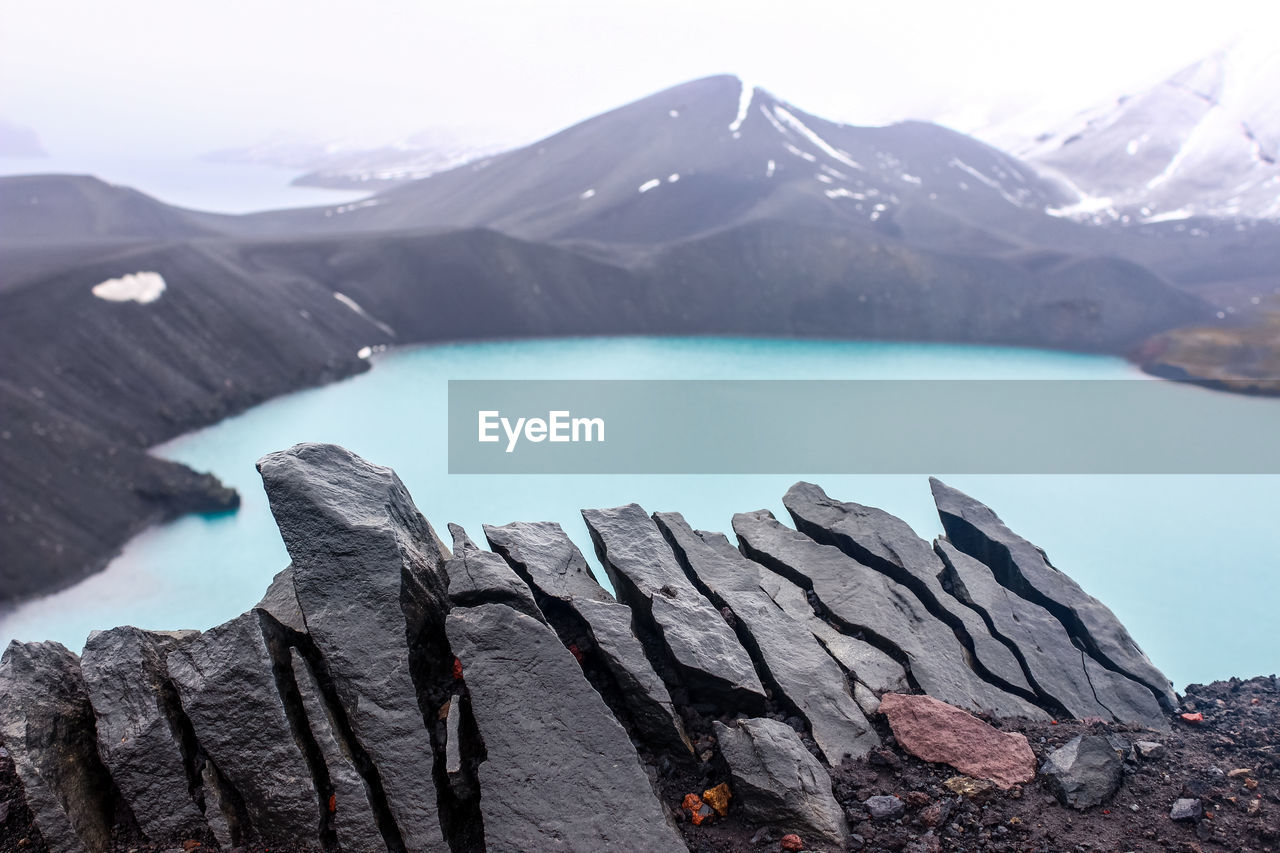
1187 562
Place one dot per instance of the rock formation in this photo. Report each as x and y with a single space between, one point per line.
387 694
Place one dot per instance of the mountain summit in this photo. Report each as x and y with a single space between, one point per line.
1204 142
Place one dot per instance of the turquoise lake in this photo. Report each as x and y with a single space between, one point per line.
1188 563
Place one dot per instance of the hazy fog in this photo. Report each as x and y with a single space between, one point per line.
139 76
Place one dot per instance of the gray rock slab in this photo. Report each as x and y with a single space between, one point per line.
477 577
281 601
46 723
775 780
542 554
561 773
803 671
871 667
889 613
886 543
351 815
1084 772
1060 670
369 580
226 681
1022 567
550 560
647 577
140 730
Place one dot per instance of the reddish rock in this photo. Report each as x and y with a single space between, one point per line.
935 731
791 842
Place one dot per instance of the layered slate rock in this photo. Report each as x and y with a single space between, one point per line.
351 816
775 780
228 686
47 725
551 564
368 577
887 613
477 576
1063 673
645 574
561 773
144 738
869 666
1022 567
886 543
281 601
803 671
935 731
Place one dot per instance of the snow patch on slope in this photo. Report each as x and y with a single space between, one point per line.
141 287
355 306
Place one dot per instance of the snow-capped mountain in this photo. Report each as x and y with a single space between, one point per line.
717 152
1205 142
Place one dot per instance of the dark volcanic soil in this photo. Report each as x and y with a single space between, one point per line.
1231 761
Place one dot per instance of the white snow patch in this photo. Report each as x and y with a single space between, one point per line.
769 169
364 352
803 155
991 182
1171 216
1088 205
355 306
673 177
803 129
355 205
745 97
586 194
648 185
826 179
911 179
140 287
841 192
673 113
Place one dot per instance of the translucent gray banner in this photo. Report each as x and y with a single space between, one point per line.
857 426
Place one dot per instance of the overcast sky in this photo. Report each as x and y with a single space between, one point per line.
187 77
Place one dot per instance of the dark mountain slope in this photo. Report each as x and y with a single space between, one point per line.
706 155
59 209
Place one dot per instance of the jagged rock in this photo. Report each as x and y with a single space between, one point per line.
351 815
646 576
1149 750
1022 567
803 671
775 780
144 738
222 810
890 614
1086 771
935 731
367 570
1059 670
561 773
47 725
476 577
454 769
872 668
548 560
887 544
227 684
884 807
1187 809
281 601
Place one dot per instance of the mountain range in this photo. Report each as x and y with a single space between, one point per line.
710 208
